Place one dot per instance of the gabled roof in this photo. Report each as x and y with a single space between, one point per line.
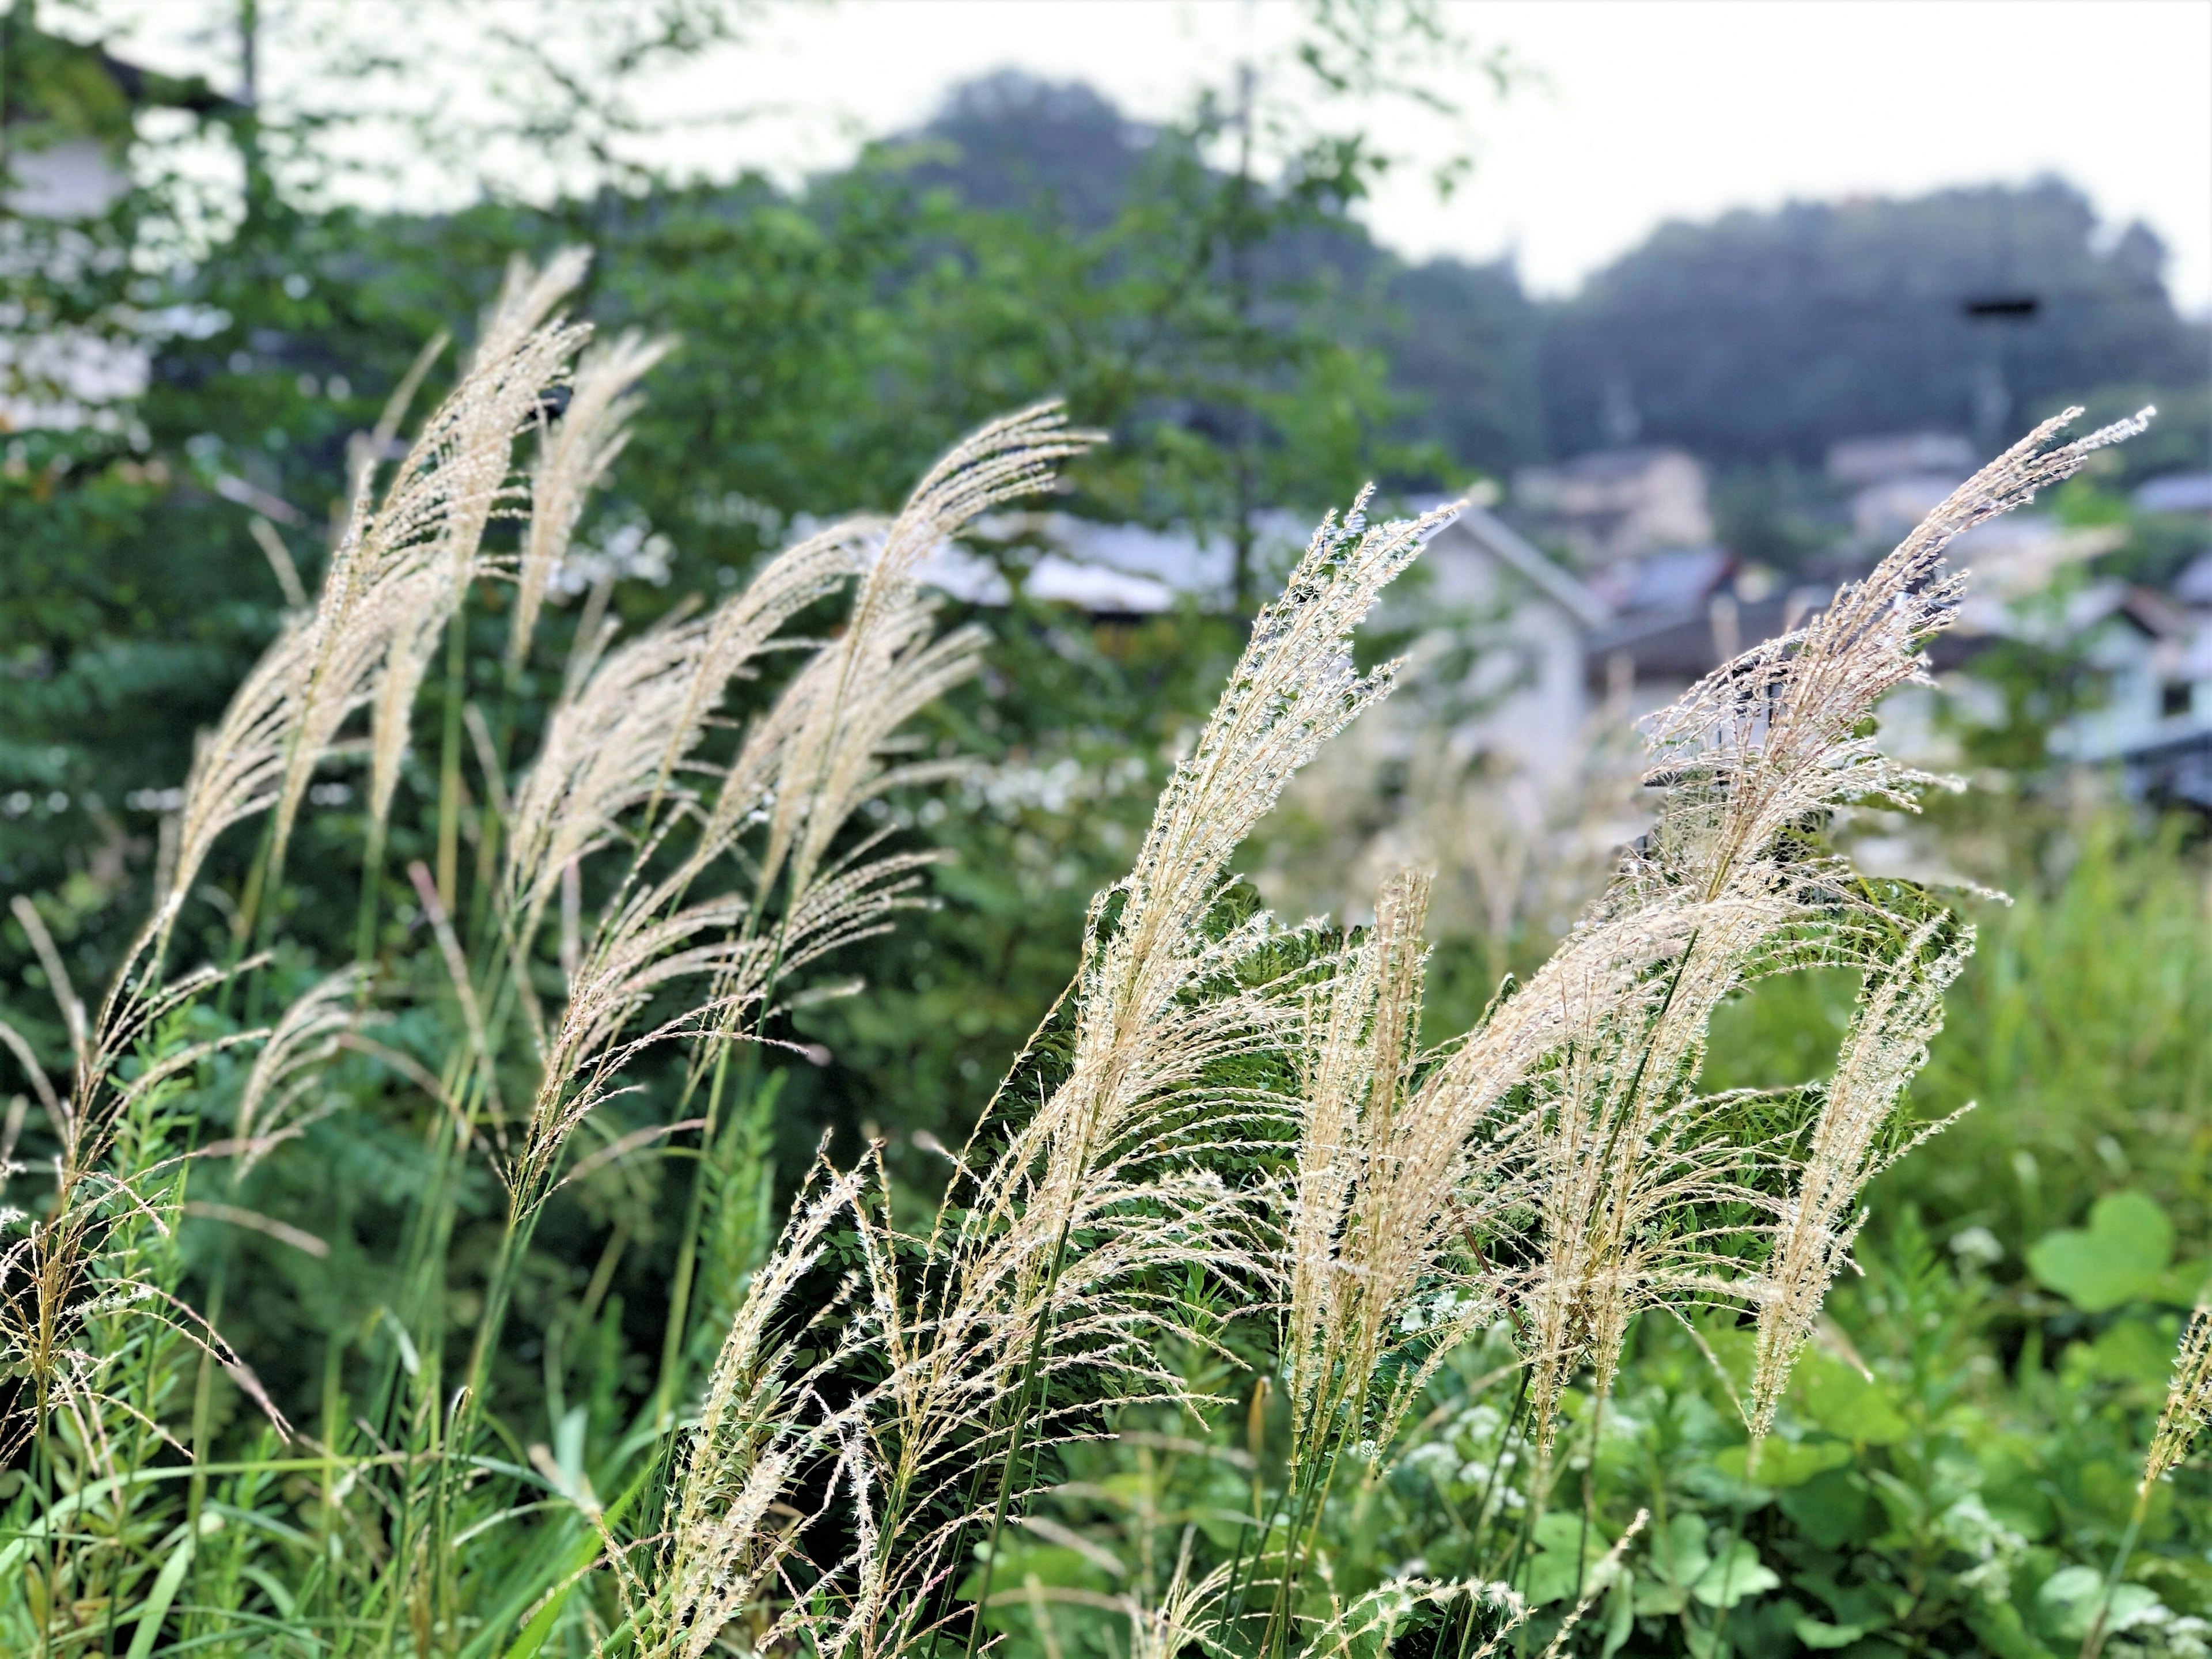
1494 536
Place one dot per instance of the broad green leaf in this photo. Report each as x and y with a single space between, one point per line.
1832 1394
2133 1352
1561 1542
2122 1256
1619 1616
1814 1634
2067 1604
1785 1462
1736 1576
1678 1556
2185 1286
1833 1509
2004 1632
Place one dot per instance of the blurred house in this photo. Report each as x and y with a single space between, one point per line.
1524 621
2152 653
2176 492
1107 570
1898 454
1896 479
1516 654
1615 505
67 114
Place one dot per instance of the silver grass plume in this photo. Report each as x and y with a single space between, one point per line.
279 725
886 666
1113 1153
617 738
1899 1011
384 588
591 433
471 438
1136 1035
306 1035
1774 734
1627 1158
1357 1251
812 759
64 1273
1154 1012
2187 1411
761 1423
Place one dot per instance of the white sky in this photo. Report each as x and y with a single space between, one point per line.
1646 109
1637 111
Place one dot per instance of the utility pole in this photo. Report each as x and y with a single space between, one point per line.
249 98
14 20
1240 277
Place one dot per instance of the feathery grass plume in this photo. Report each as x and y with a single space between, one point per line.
591 433
468 448
2187 1411
306 1035
238 772
762 1423
1137 1035
625 726
640 953
381 598
1775 735
1727 888
1353 1259
68 1271
1368 1242
636 714
886 666
1853 1138
1157 1005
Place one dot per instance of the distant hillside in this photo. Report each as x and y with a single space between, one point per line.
1755 338
1766 334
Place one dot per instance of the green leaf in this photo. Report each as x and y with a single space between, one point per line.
2132 1351
1736 1576
2121 1256
2185 1285
1835 1396
1560 1543
1833 1509
2067 1604
1814 1634
155 1608
1619 1616
2004 1632
1785 1462
1678 1556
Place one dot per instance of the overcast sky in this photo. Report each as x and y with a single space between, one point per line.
1632 112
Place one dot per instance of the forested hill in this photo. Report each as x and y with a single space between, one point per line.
1765 333
1756 336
